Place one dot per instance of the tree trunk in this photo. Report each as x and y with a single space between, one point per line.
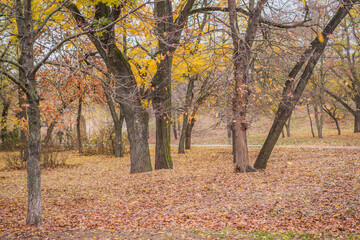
161 100
78 126
310 120
229 132
118 121
332 114
24 151
127 91
183 134
290 98
138 134
188 100
356 114
287 126
318 120
4 131
34 213
241 62
118 142
174 128
283 133
190 127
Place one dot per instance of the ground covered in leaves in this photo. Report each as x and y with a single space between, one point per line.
304 193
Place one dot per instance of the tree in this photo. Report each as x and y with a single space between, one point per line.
347 49
291 97
31 35
242 58
168 30
128 93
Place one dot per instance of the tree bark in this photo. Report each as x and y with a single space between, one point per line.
24 151
34 214
318 119
310 120
188 100
174 127
290 98
4 131
357 114
287 126
168 31
118 141
189 129
161 101
78 126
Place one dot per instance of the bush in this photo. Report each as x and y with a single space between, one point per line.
103 142
50 158
14 161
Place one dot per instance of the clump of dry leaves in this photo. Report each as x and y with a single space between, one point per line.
315 191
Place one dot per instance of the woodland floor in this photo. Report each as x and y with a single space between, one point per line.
303 194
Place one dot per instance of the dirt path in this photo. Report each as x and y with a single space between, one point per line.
283 146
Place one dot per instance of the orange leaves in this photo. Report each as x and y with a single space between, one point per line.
320 37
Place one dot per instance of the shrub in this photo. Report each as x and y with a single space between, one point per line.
50 157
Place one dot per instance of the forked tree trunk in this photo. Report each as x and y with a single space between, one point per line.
290 98
333 114
188 100
241 61
318 120
355 113
127 90
310 120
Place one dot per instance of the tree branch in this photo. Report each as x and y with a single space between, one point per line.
243 11
337 98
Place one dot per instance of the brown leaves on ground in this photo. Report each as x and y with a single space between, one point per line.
303 190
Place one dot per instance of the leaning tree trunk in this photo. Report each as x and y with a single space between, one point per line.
290 98
34 214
